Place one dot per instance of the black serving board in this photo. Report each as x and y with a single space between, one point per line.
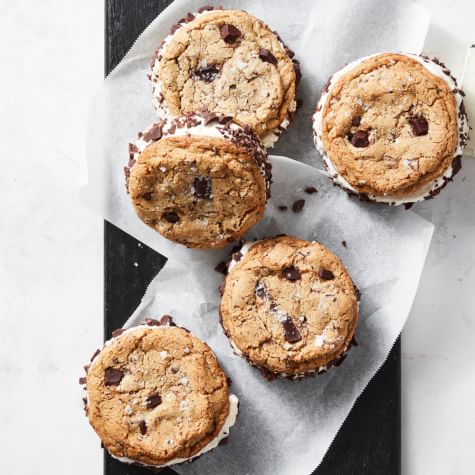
370 440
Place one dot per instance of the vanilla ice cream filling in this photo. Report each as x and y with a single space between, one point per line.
223 433
394 200
163 112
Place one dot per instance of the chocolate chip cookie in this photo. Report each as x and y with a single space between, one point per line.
156 395
228 62
199 180
289 307
392 127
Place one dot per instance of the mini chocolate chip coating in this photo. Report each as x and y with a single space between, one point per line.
419 125
360 139
113 377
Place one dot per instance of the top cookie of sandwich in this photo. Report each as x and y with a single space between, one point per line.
229 62
390 125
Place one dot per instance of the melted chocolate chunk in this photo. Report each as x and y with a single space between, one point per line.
356 121
291 333
267 56
153 400
118 332
143 427
202 187
297 207
291 273
171 217
222 268
113 377
147 196
359 139
229 33
310 190
207 74
419 125
325 274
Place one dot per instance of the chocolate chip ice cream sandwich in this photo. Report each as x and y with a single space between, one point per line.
289 307
199 180
391 128
156 396
228 62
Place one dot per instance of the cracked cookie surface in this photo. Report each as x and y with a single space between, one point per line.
197 190
156 394
389 126
289 306
228 62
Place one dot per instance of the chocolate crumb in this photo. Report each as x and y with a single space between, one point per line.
151 322
325 274
143 427
153 400
229 33
343 243
291 273
282 208
267 56
310 190
222 268
154 134
82 380
166 321
113 377
297 207
171 217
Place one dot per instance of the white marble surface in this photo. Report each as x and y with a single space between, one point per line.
51 265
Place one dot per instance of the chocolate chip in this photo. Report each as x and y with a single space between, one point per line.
143 427
222 268
297 207
208 116
147 196
353 341
325 274
205 8
118 332
153 400
360 139
283 208
202 187
171 217
419 125
237 256
408 205
82 380
267 56
151 322
343 243
113 377
94 355
310 190
291 273
154 134
356 121
207 74
229 33
291 333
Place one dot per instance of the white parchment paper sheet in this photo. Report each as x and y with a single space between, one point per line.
284 427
